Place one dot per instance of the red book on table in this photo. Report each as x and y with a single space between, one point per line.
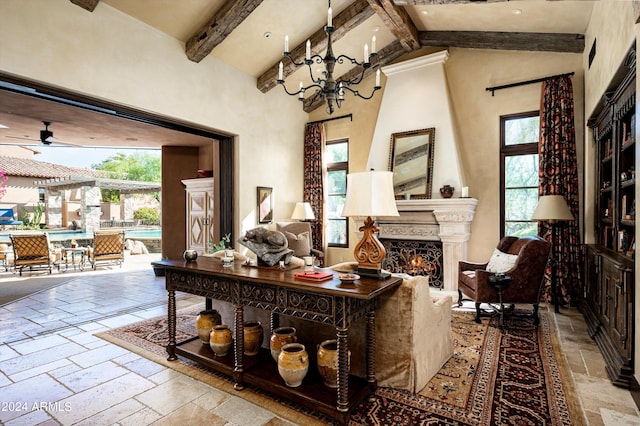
314 276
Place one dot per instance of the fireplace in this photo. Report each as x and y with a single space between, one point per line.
415 258
436 229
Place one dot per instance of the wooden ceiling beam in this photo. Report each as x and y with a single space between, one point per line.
398 21
385 56
345 21
89 5
430 2
227 19
533 42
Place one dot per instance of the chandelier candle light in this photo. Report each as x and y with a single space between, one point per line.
327 87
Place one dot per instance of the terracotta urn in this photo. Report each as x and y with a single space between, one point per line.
293 364
281 336
447 191
221 340
205 321
328 362
252 337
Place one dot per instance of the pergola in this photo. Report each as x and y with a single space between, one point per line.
90 210
76 182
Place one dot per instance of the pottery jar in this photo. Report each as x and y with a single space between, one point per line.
281 336
205 321
221 340
328 362
293 364
252 337
447 191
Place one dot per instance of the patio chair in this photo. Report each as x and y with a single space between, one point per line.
33 251
108 247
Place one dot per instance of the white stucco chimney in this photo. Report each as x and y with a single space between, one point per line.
416 96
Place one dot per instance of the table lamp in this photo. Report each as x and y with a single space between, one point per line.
370 194
553 208
303 211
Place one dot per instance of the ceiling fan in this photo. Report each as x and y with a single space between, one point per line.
46 136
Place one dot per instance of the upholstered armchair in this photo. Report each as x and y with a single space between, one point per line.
300 239
523 259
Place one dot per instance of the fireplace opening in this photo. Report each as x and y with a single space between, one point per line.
415 258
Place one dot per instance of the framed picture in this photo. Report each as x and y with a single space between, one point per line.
265 204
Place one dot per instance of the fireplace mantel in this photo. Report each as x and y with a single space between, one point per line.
445 219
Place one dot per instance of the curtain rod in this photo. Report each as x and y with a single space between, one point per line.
522 83
349 116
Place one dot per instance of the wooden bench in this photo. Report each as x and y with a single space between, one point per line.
7 217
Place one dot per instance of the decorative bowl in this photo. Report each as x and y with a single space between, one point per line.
348 278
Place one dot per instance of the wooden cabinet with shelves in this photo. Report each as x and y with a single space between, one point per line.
200 214
609 263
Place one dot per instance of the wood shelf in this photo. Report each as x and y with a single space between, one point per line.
262 371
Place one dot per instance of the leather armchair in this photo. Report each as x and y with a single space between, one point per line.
527 275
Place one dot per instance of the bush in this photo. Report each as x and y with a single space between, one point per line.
147 214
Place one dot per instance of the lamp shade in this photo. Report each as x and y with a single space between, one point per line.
303 211
552 208
370 194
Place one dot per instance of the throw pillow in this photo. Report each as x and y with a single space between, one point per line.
501 262
300 244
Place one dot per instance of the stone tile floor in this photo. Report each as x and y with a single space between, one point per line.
54 371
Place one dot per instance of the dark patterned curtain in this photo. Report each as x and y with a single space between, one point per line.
559 176
313 191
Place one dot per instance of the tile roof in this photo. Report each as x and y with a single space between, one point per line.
13 166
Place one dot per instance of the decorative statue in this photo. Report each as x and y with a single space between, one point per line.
269 246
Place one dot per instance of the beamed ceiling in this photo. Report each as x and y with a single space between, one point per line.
249 35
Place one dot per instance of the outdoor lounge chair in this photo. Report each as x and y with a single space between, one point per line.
32 250
108 247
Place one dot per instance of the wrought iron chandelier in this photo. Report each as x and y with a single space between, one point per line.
326 86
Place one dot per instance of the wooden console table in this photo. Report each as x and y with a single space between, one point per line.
277 291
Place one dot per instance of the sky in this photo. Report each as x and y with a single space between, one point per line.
82 157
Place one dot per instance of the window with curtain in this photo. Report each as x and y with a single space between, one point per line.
336 156
519 136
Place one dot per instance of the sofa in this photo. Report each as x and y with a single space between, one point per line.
413 333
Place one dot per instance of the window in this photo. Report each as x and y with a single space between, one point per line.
519 135
41 194
337 160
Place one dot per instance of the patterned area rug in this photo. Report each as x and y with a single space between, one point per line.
516 376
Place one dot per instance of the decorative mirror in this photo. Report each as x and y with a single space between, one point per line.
411 161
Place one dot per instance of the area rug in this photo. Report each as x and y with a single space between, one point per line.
513 376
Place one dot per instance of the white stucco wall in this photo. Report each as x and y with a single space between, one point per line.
109 55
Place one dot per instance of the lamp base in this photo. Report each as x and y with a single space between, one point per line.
374 273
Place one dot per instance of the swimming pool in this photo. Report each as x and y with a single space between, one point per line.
57 236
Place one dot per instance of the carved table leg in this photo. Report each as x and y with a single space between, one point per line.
343 369
171 347
239 348
275 321
371 352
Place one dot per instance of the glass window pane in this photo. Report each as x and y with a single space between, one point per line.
337 231
519 204
337 152
337 182
522 130
521 170
335 204
521 229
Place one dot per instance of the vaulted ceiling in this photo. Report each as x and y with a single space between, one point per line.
249 34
